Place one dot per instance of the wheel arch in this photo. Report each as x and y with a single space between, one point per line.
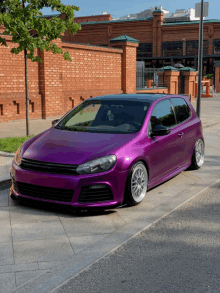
130 167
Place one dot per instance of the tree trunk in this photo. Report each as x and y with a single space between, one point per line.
26 92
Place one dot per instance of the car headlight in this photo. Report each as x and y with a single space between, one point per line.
18 157
98 165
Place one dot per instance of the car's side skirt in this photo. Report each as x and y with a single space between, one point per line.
170 175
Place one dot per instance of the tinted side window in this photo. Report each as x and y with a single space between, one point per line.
181 108
163 114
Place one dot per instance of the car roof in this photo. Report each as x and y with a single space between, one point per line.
132 97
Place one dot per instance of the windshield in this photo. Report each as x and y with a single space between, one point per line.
106 116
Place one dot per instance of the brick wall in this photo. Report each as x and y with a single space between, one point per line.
57 85
153 91
102 17
217 79
146 31
12 80
101 33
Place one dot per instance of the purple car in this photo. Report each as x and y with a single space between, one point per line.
109 150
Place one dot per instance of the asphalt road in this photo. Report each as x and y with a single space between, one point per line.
179 253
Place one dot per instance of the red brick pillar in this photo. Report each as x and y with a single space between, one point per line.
208 88
160 79
129 71
210 36
217 79
171 81
189 88
149 83
184 47
157 34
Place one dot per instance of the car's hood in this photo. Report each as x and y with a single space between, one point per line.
67 147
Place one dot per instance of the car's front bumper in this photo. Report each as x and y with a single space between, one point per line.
113 180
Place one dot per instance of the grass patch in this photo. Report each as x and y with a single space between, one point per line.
11 144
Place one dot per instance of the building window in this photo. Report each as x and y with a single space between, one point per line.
172 49
144 50
192 47
216 46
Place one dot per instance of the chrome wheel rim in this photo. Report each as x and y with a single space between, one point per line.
139 183
199 152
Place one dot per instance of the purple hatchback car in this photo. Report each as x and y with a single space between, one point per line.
109 150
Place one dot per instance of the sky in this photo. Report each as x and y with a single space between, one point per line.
118 8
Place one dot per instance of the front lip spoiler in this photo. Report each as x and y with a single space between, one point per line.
77 206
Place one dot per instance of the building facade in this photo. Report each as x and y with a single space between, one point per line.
161 43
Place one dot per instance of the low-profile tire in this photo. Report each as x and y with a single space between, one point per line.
136 185
198 155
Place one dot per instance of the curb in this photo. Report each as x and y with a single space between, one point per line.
4 178
5 184
5 154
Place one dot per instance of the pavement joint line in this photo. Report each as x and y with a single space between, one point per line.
136 234
35 290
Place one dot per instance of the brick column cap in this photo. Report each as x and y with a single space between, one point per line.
190 73
169 68
156 11
172 73
187 69
125 39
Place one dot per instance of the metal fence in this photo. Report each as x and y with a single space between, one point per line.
149 77
140 74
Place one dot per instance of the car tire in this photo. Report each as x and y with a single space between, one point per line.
136 185
198 155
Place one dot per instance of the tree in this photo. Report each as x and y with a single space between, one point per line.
23 20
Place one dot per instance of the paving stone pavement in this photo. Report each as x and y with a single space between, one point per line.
41 247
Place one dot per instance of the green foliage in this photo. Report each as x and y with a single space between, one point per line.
30 30
210 75
11 144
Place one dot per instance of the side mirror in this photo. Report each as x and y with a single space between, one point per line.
55 121
160 130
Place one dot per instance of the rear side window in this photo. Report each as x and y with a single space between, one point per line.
181 108
163 114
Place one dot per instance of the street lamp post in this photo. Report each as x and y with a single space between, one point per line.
200 60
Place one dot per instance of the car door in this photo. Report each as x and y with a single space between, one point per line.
184 125
164 152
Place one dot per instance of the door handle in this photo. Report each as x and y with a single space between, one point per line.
180 134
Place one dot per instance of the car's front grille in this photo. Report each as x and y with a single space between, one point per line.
95 195
43 192
46 167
